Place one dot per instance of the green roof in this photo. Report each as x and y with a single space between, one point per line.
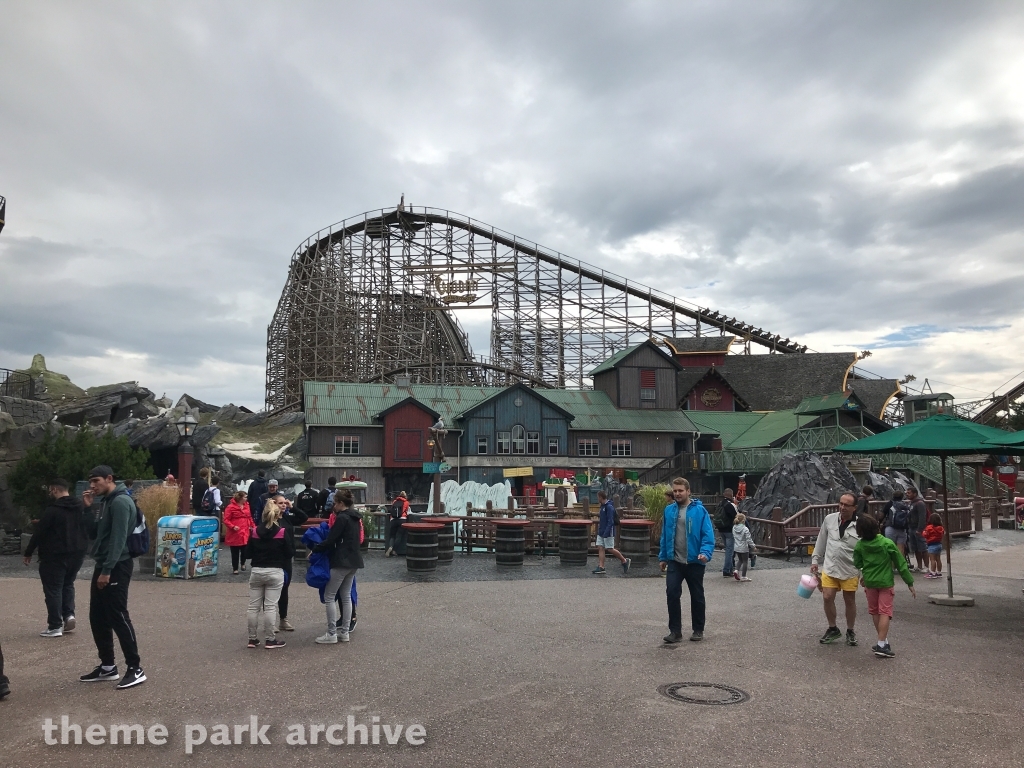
356 405
837 401
748 430
610 363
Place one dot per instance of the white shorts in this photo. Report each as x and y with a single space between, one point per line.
608 542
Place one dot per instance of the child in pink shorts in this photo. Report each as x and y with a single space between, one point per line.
876 556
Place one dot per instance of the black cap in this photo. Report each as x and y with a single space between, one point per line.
101 471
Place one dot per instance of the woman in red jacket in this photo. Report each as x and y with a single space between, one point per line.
237 529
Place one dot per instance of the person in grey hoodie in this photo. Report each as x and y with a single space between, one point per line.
743 545
108 605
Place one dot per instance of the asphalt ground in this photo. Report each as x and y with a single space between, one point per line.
550 667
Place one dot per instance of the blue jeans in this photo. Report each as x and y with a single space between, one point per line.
693 575
729 544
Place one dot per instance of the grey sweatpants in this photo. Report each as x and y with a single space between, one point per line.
341 578
264 591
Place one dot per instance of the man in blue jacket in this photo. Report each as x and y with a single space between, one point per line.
687 543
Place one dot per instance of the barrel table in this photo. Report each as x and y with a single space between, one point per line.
445 539
509 542
573 541
421 546
635 540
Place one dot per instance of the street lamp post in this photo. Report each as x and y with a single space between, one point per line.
186 426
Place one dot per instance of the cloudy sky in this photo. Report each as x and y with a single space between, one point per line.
850 175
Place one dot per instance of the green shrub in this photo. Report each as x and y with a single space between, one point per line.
71 458
654 502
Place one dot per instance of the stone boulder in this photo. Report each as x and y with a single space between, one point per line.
803 478
106 405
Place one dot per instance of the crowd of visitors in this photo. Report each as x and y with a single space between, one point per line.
856 547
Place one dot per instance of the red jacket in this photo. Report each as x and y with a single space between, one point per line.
236 516
933 534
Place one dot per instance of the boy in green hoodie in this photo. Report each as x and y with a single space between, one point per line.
875 557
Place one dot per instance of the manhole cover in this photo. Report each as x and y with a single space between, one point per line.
704 693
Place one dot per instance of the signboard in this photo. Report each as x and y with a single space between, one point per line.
444 467
431 467
517 472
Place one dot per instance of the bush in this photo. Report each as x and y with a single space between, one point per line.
655 503
72 458
155 502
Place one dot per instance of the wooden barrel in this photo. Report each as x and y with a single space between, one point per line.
445 540
573 541
635 540
421 546
509 542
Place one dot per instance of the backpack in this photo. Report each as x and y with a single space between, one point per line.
616 520
721 520
900 515
208 505
138 537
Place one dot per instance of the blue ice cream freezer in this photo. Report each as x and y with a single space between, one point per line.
187 546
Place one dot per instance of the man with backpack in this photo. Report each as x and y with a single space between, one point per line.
321 498
398 514
897 521
211 503
608 521
62 540
724 521
108 607
257 493
915 535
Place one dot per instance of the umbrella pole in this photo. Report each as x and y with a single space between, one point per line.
945 522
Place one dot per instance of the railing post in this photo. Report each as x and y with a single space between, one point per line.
469 508
777 535
994 513
979 514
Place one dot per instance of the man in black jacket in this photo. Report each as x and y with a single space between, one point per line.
306 500
321 498
60 536
343 545
257 492
724 521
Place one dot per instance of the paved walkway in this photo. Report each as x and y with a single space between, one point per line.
540 672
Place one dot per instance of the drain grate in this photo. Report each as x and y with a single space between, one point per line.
704 693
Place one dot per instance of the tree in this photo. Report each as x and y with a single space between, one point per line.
71 458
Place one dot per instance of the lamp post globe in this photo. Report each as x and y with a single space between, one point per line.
186 425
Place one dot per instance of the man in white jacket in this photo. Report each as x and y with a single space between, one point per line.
834 552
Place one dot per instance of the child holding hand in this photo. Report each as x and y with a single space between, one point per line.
933 534
876 557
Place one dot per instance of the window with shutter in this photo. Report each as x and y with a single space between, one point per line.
408 445
648 384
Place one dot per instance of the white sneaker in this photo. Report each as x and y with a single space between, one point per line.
343 638
327 639
55 632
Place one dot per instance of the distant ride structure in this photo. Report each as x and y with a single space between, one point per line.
372 299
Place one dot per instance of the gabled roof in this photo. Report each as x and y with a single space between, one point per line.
408 401
688 378
836 401
356 405
875 393
530 392
619 357
779 382
700 345
329 404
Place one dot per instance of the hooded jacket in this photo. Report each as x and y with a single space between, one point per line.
700 534
110 531
876 558
237 515
61 530
343 541
272 547
744 542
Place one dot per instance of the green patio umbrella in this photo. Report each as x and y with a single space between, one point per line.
1008 442
941 436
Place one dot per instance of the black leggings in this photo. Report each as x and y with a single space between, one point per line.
236 553
282 603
